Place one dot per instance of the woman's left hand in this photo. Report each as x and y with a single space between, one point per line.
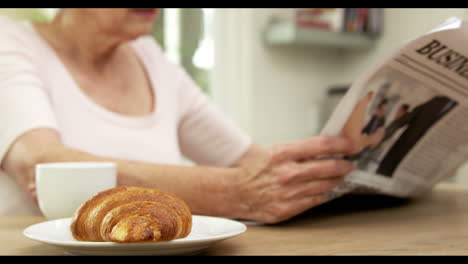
288 179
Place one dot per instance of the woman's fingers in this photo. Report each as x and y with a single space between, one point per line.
312 170
301 186
312 188
312 148
284 211
296 177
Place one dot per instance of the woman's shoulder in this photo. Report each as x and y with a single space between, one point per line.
148 45
8 24
13 32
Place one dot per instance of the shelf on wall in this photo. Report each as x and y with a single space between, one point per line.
289 34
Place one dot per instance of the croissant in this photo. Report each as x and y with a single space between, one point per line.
131 214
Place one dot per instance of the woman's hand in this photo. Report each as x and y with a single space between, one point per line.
289 179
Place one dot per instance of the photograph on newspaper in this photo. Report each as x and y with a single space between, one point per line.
394 113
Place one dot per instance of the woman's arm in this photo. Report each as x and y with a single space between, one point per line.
190 183
267 185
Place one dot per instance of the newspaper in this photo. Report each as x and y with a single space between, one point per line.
409 115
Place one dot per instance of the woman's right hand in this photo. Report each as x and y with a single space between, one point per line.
288 179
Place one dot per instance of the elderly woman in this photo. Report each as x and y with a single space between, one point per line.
92 86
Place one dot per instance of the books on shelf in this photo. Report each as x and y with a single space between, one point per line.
362 20
322 18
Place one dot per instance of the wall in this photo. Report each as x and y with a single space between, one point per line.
290 85
274 93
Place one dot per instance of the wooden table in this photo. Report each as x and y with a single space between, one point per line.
436 224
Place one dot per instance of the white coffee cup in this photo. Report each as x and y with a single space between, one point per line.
63 187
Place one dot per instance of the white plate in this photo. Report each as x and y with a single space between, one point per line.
205 232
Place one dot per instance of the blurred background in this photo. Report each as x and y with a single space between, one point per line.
279 72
